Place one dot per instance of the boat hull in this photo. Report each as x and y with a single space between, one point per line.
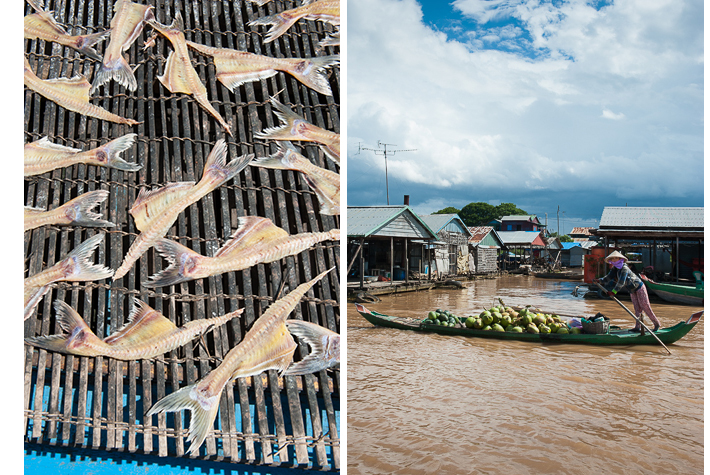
616 336
676 293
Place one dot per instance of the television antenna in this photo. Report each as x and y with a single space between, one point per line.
383 151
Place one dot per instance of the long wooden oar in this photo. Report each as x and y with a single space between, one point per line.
635 317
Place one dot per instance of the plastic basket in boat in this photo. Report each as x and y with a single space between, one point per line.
601 326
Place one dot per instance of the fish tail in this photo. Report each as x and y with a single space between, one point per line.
282 159
84 269
181 260
217 170
281 23
311 72
79 210
203 411
75 331
118 70
85 43
114 148
284 131
324 343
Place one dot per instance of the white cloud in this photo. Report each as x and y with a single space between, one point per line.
481 117
607 114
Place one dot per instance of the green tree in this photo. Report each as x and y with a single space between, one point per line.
477 214
447 210
566 238
508 209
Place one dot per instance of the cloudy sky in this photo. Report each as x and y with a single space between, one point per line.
576 104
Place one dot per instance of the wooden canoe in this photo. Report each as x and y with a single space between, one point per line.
682 294
616 335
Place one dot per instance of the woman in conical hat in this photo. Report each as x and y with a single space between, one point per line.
621 277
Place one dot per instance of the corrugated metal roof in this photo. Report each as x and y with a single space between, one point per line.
525 238
485 235
627 217
522 217
583 244
438 222
365 221
584 231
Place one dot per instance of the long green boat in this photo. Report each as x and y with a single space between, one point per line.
683 294
616 335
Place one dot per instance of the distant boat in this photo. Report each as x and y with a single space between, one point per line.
566 275
682 294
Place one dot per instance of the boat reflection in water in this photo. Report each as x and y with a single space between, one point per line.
456 404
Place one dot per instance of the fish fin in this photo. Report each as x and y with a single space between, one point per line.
85 43
324 343
203 411
251 232
45 144
179 257
76 87
174 77
36 4
260 3
330 154
311 72
150 205
327 205
115 147
233 79
33 298
83 268
280 24
118 70
217 170
143 324
79 210
332 39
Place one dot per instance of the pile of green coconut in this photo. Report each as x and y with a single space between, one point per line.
505 319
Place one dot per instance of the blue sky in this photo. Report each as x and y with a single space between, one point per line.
540 103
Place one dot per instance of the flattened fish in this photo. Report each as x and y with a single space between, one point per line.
325 347
180 76
235 68
76 267
295 127
267 345
43 26
257 240
127 23
76 212
323 10
325 183
155 211
146 335
42 155
72 94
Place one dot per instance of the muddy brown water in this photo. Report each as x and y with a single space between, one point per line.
424 403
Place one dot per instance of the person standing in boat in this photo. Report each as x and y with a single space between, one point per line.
621 277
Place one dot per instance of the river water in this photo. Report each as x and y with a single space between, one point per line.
424 403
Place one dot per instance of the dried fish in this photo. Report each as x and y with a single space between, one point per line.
43 26
295 127
155 211
323 10
235 68
267 345
146 335
76 212
180 76
42 155
257 240
324 343
76 267
127 23
325 183
72 94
